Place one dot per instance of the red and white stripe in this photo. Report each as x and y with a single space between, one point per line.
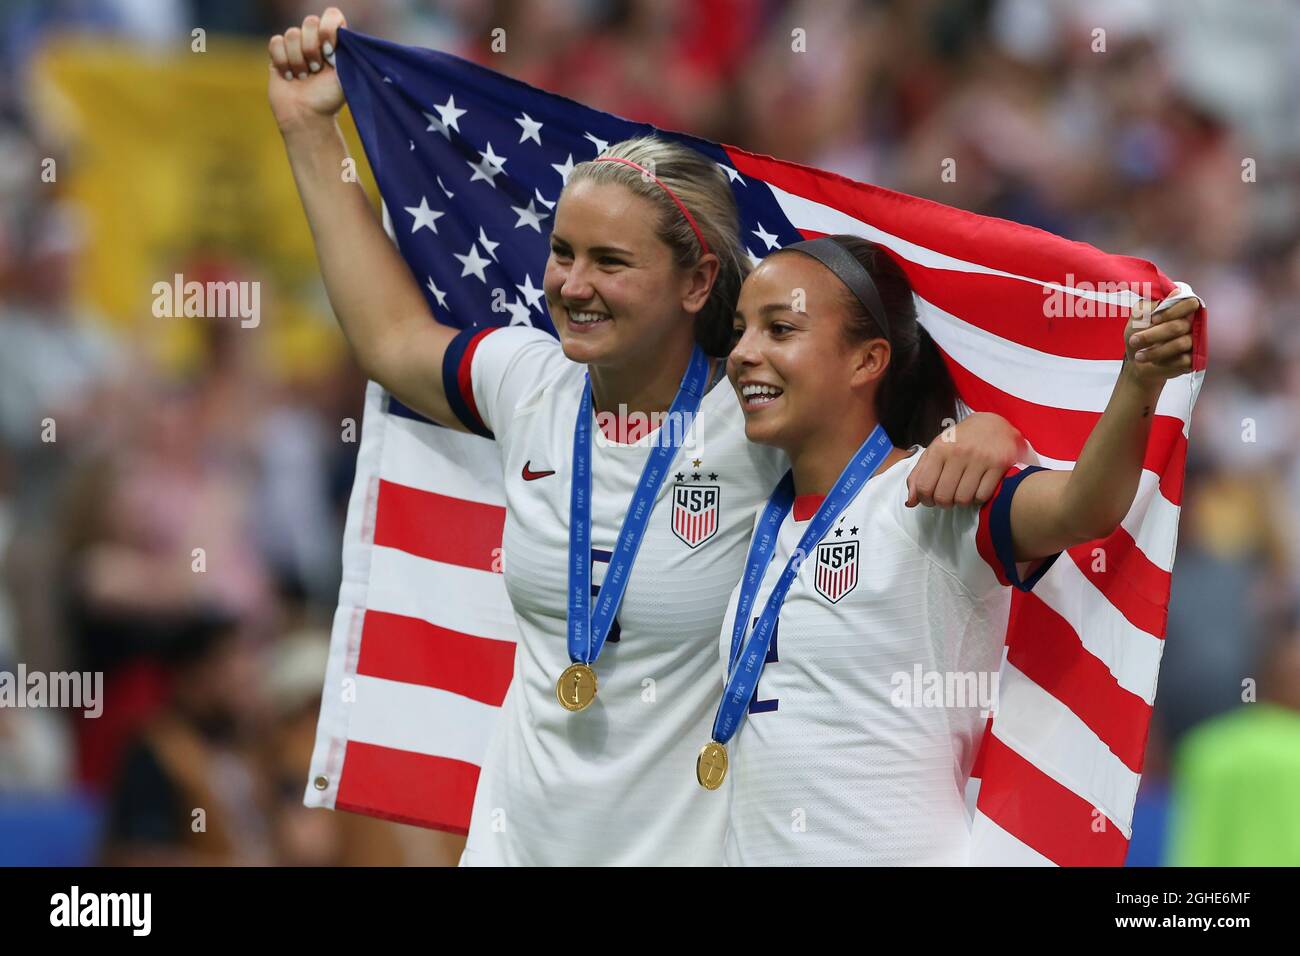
423 638
415 678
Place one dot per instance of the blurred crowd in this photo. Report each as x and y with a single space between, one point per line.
1163 129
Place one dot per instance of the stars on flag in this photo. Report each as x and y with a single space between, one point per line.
732 174
530 217
473 264
532 295
437 293
488 245
564 169
475 146
531 128
424 216
766 236
489 165
447 118
518 313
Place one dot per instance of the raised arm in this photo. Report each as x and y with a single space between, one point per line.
378 304
1055 510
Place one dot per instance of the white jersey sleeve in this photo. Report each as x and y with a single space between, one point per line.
974 545
488 373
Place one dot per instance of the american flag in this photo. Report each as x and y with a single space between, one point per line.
470 164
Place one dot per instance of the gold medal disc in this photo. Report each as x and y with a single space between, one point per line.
711 765
576 688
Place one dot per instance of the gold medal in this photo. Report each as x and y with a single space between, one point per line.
576 688
711 765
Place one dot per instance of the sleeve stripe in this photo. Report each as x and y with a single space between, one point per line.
993 537
984 537
457 380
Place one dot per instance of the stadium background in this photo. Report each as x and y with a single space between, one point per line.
1179 143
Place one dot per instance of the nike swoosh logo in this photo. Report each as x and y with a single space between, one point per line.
530 475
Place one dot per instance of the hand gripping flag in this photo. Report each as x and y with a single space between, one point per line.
470 165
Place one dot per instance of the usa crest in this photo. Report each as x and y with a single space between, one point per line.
695 513
836 571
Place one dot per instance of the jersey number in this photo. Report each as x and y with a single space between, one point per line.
757 706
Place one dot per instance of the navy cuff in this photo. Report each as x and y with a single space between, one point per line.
1000 532
451 362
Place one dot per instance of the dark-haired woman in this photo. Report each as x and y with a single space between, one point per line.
835 755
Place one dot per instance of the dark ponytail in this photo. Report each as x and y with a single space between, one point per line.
917 398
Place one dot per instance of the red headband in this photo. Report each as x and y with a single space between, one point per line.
685 212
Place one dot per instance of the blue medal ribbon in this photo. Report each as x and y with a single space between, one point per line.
744 667
588 629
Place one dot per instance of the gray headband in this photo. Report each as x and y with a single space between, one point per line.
849 271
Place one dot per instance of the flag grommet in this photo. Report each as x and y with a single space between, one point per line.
321 782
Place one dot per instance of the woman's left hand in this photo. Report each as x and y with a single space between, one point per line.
1158 346
964 464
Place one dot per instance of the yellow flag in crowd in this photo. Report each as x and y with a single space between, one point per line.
176 164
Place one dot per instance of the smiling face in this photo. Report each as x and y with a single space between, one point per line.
794 372
614 293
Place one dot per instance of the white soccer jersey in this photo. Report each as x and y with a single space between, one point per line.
615 783
850 752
